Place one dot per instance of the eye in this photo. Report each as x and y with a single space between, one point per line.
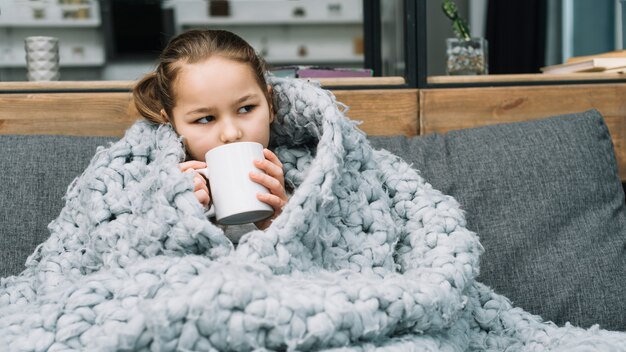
205 119
246 109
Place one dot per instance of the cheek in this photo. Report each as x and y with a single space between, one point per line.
261 129
193 152
197 143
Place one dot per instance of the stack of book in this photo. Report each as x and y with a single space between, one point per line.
611 62
319 72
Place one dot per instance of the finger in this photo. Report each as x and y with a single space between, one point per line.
191 165
199 178
203 197
271 169
273 185
269 155
271 158
272 200
271 165
199 183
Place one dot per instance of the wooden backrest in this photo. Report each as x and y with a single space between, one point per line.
105 108
442 110
78 108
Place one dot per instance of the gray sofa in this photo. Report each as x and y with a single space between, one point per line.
544 197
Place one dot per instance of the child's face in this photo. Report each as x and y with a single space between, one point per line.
219 101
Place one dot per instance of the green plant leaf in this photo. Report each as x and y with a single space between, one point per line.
459 26
449 9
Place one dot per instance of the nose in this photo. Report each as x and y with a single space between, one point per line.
230 131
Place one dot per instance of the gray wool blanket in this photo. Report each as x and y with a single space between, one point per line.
365 256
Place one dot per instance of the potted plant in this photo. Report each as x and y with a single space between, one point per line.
466 55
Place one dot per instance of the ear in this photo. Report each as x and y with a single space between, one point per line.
164 115
270 102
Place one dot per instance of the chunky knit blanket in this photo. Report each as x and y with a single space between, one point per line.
365 256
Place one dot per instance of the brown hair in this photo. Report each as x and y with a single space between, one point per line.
155 90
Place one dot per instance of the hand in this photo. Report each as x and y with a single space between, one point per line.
200 187
274 180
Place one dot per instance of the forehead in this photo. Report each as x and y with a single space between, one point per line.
216 78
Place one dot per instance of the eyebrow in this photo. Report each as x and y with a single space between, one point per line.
209 108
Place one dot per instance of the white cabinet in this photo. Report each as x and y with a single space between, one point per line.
76 24
315 32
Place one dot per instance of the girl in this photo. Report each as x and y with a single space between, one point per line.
210 86
367 255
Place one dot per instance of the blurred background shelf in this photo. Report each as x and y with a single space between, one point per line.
322 32
48 13
62 63
119 39
527 77
78 27
90 23
219 21
257 12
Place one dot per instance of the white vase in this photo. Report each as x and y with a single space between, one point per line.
42 58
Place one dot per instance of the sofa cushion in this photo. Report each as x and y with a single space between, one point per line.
36 171
546 200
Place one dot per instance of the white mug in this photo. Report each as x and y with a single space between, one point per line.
233 193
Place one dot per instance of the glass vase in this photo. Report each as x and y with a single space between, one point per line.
467 56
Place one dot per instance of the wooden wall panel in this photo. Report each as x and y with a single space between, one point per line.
386 112
78 114
383 112
443 110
